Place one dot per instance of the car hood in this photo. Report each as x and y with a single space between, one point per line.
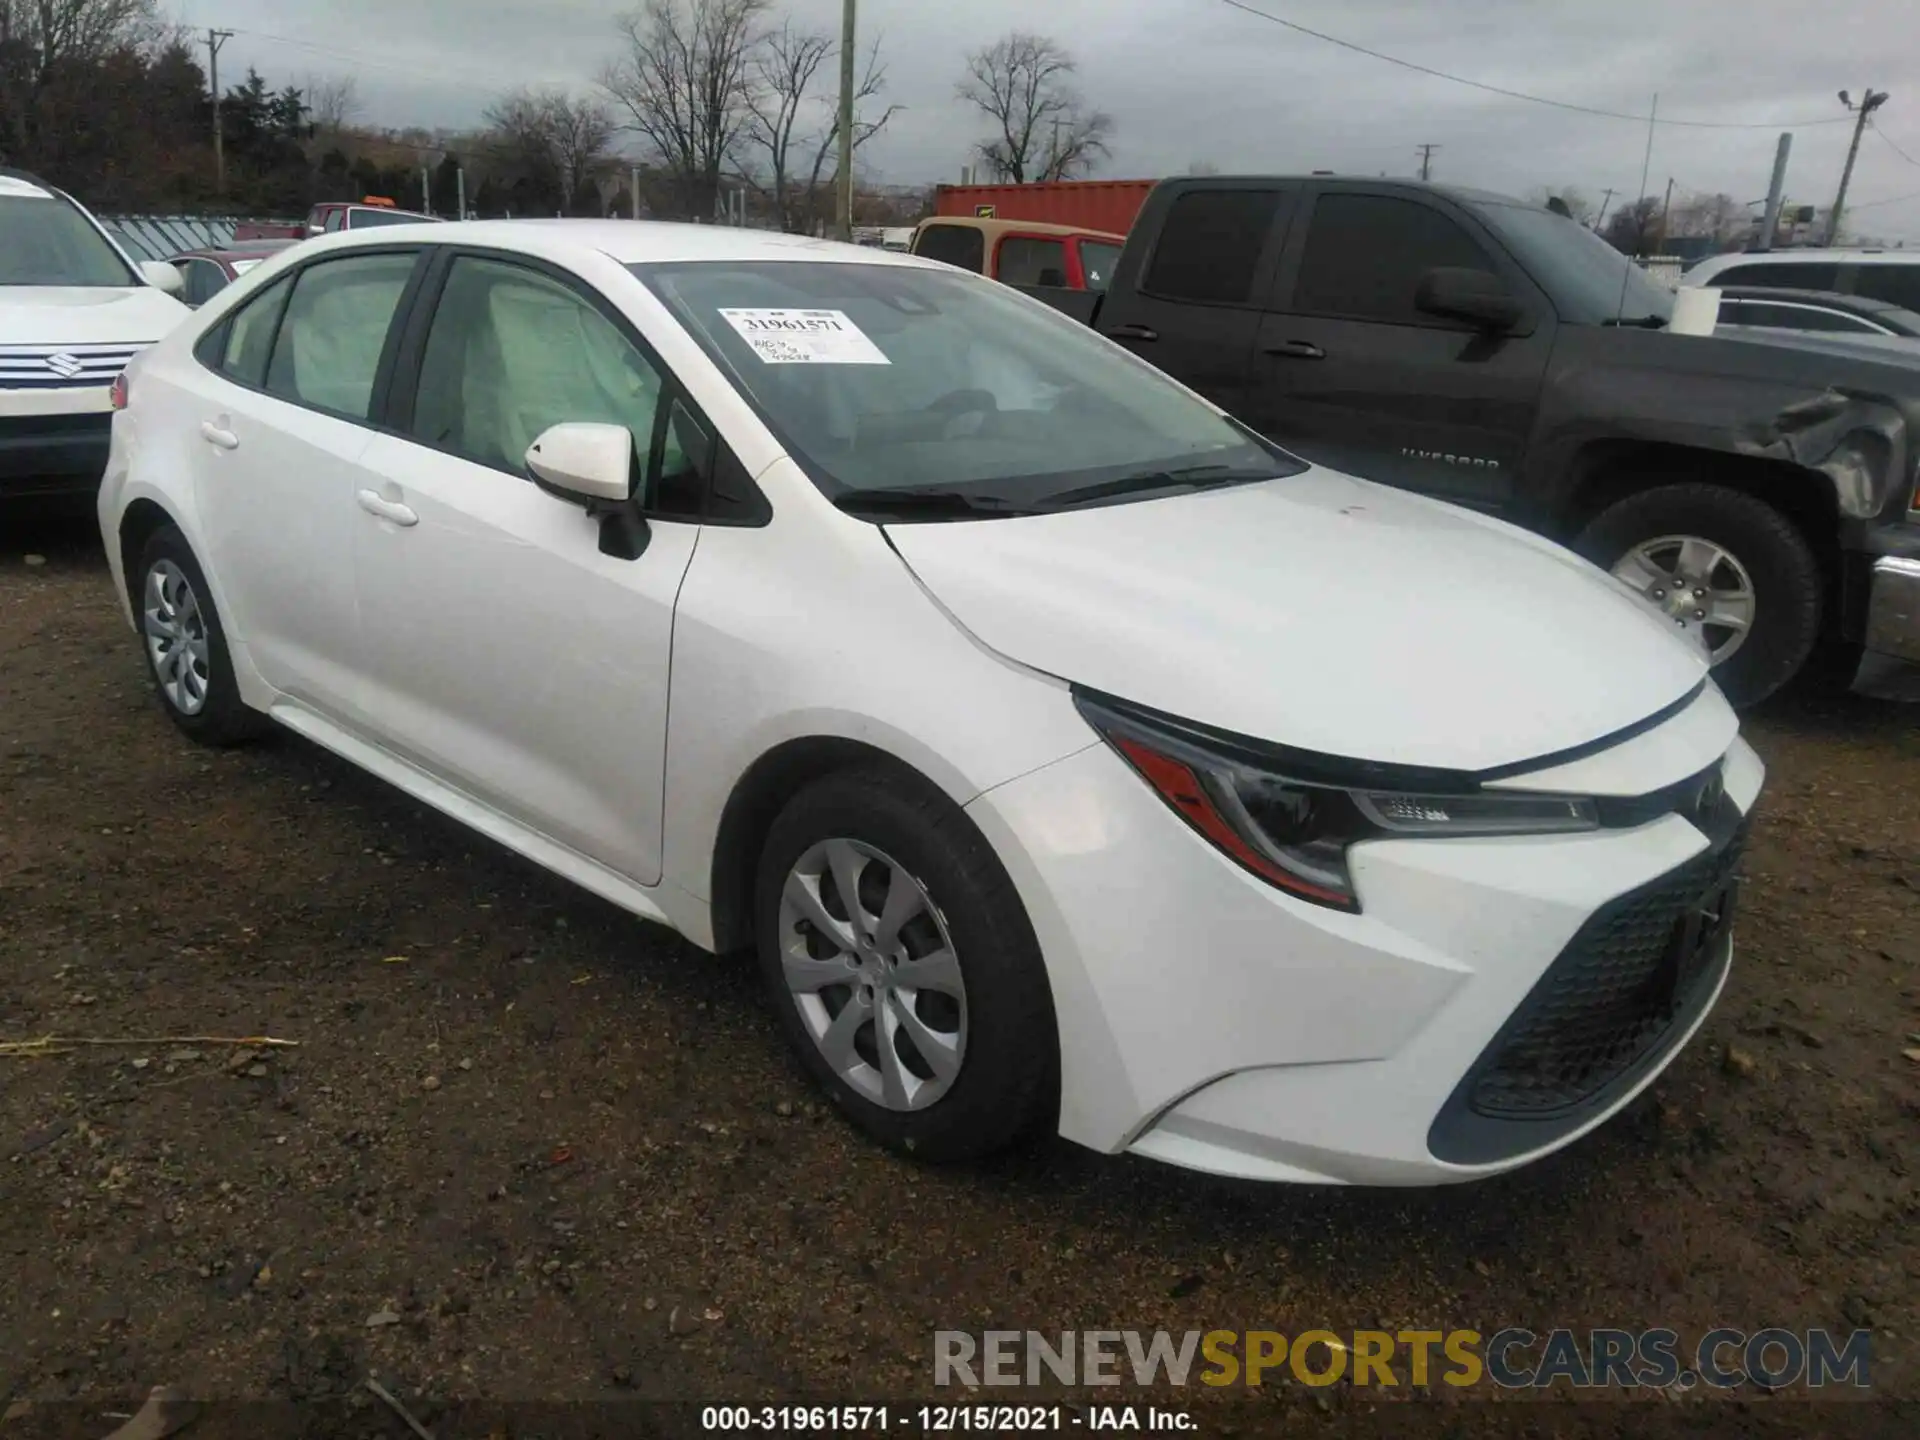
1316 611
86 314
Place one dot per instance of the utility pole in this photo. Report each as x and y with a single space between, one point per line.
1600 219
844 227
426 189
460 191
1053 155
1869 103
215 39
633 191
1666 210
1770 221
1426 159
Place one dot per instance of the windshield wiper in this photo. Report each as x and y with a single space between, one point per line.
930 503
1192 477
1639 322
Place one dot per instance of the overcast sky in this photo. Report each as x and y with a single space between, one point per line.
1197 80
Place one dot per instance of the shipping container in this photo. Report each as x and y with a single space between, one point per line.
1108 205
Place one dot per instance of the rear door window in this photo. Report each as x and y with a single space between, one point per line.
328 350
1896 284
1210 246
1782 275
961 245
1031 260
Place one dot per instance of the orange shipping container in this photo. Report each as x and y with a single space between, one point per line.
1108 205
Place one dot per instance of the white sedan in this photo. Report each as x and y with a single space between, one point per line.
1070 758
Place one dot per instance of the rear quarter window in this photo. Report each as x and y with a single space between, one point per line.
1896 284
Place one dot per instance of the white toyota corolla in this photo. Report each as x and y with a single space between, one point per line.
1070 757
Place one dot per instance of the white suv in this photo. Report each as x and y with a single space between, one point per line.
73 310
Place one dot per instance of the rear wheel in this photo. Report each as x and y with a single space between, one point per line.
1726 570
185 646
903 969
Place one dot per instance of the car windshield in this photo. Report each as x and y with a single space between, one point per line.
1591 282
369 217
46 241
906 379
1098 258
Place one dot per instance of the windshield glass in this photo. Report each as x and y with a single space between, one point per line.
1098 258
897 378
365 219
1582 272
45 241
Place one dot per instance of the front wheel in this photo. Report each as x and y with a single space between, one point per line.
1726 570
903 968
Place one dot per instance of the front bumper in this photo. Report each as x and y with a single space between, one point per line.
53 454
1209 1021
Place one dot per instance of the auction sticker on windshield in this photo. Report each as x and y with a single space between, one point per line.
804 337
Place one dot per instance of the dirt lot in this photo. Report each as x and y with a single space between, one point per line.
557 1154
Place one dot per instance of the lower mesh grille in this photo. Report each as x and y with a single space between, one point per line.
1613 994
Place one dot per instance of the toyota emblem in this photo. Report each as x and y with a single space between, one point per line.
64 365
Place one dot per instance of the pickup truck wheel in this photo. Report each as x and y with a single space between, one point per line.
1724 568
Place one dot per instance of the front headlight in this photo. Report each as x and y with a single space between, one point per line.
1293 830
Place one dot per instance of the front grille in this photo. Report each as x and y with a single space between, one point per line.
62 367
1616 991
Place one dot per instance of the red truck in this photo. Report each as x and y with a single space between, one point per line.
1108 205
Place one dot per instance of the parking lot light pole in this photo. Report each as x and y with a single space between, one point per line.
844 225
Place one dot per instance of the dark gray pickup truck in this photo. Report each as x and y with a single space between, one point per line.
1759 491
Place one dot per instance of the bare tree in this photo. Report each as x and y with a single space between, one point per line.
685 83
38 37
786 130
1024 84
333 103
1631 228
1715 217
557 142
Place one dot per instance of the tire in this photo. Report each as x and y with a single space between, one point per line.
1000 1030
171 598
1786 584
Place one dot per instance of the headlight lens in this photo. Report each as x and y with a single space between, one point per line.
1294 833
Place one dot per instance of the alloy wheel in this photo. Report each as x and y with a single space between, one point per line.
1697 585
872 970
176 633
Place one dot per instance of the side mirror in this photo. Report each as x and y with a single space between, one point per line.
1475 297
163 276
578 460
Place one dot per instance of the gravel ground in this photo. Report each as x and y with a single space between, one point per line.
527 1147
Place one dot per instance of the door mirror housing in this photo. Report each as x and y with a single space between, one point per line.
584 461
163 276
1475 297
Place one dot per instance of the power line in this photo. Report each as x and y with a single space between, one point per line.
1896 149
1890 200
1521 94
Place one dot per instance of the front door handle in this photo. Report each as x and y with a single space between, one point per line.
1296 350
1133 332
214 435
373 503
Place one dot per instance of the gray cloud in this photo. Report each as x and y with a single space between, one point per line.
1190 80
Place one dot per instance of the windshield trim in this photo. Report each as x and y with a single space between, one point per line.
133 278
835 491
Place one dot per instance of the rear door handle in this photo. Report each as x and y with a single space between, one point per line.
1133 332
372 502
1296 350
214 435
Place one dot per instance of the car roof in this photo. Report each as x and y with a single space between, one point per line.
25 184
1805 257
1831 299
993 225
629 242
